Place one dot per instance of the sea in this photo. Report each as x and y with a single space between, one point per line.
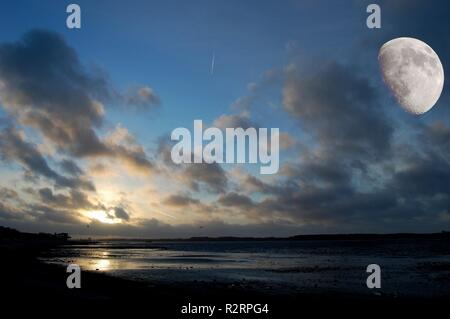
409 267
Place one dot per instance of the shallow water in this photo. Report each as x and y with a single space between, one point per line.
409 267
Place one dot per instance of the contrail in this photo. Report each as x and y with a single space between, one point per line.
212 62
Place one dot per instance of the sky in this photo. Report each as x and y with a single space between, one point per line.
86 116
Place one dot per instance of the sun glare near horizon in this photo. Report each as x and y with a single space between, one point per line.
103 217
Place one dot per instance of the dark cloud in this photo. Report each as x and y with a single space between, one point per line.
351 178
8 212
120 213
334 207
210 176
73 200
435 139
235 200
197 176
45 86
46 214
254 184
180 200
318 171
128 150
70 167
31 214
423 178
134 157
361 169
14 147
414 188
340 109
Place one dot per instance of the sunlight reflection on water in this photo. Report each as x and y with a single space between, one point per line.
102 264
277 265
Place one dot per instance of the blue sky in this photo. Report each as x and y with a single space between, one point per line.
172 45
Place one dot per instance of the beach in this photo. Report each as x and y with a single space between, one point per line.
36 275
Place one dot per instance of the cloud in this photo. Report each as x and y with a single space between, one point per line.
235 200
353 173
30 214
143 97
286 141
435 138
180 200
8 212
44 86
74 200
70 167
46 214
210 176
350 178
14 147
234 121
120 213
255 91
413 187
128 150
318 170
340 109
197 176
7 194
253 184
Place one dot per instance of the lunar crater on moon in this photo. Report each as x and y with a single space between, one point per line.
413 72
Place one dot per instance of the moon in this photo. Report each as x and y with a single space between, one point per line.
413 72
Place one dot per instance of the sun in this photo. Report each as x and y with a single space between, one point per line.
103 216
